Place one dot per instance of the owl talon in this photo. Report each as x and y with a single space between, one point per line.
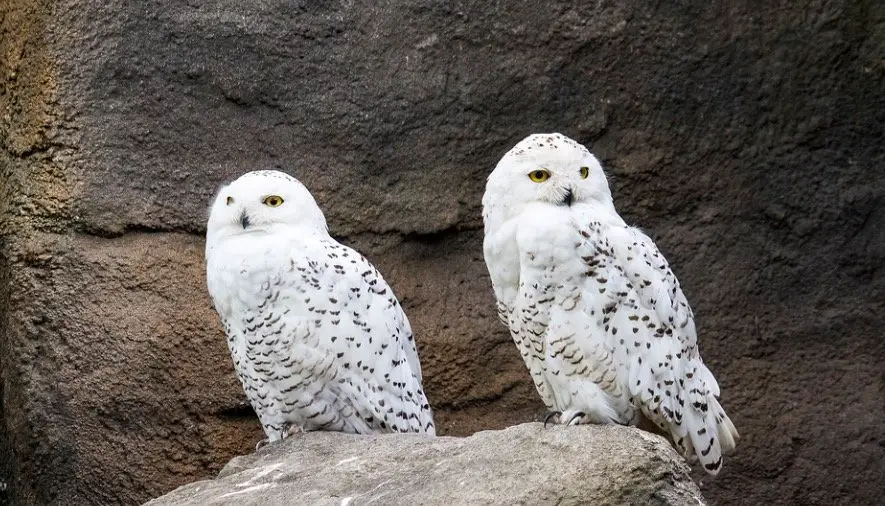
576 418
551 415
261 444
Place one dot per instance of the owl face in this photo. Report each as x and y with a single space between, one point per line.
263 201
549 169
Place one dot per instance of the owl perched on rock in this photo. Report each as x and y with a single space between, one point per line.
318 339
596 312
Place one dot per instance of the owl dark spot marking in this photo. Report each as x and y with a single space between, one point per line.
709 447
712 466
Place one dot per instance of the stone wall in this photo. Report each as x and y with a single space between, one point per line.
748 140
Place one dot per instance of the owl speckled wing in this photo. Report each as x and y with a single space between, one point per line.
317 337
650 327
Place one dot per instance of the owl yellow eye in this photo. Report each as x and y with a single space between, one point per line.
585 171
273 201
230 200
539 176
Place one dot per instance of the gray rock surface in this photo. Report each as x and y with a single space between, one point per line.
525 464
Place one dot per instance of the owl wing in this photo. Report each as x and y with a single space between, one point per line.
387 313
354 314
650 330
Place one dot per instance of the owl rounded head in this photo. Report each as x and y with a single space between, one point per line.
263 201
545 168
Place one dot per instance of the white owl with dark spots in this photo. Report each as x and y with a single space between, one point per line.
597 314
317 337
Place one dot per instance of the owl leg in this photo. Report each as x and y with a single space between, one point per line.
289 430
273 432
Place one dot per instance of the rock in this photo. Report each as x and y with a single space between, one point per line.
524 464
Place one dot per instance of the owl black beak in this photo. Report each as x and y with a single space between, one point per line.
244 220
569 197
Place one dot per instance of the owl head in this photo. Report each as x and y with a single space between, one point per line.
549 169
263 201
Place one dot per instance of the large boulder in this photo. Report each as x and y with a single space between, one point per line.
525 464
746 138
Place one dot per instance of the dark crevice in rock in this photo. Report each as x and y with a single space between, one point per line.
240 412
437 236
134 229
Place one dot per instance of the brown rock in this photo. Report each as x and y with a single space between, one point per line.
747 140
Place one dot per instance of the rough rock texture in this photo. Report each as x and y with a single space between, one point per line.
747 139
525 464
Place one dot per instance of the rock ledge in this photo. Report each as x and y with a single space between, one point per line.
524 464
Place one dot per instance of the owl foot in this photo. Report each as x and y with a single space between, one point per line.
551 415
572 417
261 444
293 430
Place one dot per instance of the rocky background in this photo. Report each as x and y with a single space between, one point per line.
748 139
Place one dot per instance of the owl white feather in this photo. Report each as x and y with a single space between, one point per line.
596 312
317 337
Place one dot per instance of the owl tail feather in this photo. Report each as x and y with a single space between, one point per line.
711 434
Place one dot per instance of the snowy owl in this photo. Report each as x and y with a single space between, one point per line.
596 312
317 337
